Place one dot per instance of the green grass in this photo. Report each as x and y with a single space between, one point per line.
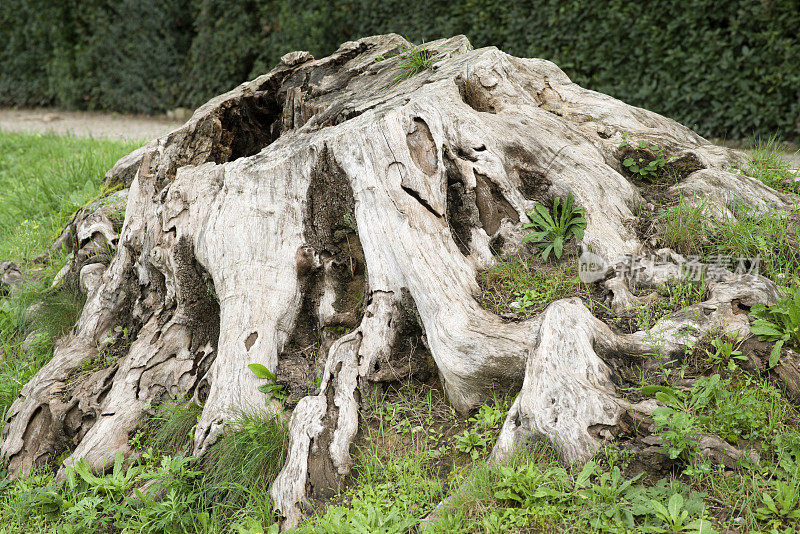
669 298
30 322
44 179
404 471
688 229
696 229
409 460
240 467
169 430
766 163
405 460
157 493
526 286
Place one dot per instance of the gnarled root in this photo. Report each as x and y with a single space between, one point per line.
323 426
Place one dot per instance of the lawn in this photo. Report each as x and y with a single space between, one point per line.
44 179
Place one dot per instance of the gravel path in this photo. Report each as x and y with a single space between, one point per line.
84 124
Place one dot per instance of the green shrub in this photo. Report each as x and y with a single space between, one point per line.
480 438
735 408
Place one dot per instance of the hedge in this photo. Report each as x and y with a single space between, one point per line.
728 69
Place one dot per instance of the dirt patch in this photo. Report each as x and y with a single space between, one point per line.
86 124
650 166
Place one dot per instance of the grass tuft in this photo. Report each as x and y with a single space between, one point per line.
684 227
771 237
412 60
170 429
240 467
766 163
32 318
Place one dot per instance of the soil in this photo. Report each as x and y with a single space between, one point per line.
86 124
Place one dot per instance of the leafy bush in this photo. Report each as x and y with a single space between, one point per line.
87 503
714 405
532 492
551 231
94 54
725 352
274 390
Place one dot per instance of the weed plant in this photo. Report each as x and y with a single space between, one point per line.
551 229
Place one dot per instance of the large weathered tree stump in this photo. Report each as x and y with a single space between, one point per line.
301 219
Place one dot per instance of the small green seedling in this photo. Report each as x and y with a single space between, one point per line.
638 165
273 389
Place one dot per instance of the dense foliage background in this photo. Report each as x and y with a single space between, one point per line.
724 68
